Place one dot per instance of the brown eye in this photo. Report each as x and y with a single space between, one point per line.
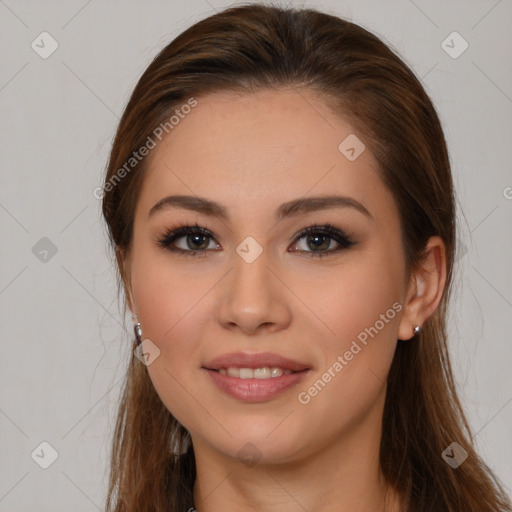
320 238
196 240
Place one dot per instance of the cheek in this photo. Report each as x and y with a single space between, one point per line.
168 298
349 387
354 298
360 305
171 308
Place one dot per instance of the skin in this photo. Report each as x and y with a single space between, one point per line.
252 152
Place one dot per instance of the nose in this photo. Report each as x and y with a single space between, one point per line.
252 298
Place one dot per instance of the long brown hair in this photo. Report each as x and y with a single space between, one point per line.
254 46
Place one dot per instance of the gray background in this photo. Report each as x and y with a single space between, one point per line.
65 342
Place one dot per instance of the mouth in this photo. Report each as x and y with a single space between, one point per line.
255 377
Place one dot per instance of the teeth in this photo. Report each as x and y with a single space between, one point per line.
245 373
233 372
277 372
261 373
254 373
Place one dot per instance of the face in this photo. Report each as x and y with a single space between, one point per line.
249 282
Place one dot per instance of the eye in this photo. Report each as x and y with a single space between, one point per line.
196 243
321 237
194 240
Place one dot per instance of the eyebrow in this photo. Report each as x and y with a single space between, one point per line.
291 208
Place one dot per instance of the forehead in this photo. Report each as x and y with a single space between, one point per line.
248 150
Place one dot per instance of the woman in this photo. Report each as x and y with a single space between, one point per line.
280 201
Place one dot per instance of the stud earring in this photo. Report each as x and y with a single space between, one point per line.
416 330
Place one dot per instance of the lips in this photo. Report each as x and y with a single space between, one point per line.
255 360
244 376
255 390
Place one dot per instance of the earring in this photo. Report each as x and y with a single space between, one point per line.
416 330
138 330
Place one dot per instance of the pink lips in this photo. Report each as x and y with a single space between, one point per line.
258 360
255 390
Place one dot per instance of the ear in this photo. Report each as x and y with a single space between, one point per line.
425 289
123 262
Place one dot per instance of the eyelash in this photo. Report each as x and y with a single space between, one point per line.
328 230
